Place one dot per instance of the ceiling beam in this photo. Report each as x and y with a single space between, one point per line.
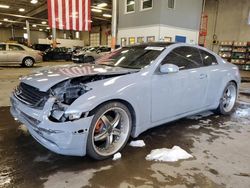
33 12
24 17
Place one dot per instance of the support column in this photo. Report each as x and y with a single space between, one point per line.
12 32
54 37
28 32
114 23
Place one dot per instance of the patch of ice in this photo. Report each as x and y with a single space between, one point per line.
117 156
44 158
194 127
168 155
200 115
206 121
137 143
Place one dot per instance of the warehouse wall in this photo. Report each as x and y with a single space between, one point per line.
5 34
160 21
232 21
186 14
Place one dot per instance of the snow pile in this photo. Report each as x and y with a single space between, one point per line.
168 155
137 143
117 156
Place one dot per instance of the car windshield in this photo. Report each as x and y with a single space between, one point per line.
135 57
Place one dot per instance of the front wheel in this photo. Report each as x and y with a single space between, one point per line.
28 62
109 131
228 99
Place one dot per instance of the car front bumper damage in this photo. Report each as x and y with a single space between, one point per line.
67 138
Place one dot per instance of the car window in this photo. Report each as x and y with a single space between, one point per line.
134 57
56 50
184 58
15 48
208 59
2 47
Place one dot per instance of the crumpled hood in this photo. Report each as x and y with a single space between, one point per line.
45 78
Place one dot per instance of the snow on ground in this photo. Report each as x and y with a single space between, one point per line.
117 156
200 115
194 127
137 143
168 155
23 129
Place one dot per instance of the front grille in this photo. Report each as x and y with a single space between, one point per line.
30 95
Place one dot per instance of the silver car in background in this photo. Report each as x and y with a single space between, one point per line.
94 109
11 53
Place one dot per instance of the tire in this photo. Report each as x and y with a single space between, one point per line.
109 131
28 62
228 99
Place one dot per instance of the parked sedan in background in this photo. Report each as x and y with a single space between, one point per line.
11 53
61 53
90 54
94 109
41 47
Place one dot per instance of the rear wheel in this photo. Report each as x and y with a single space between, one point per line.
28 62
110 130
228 99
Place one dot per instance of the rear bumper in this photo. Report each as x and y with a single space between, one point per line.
67 138
38 59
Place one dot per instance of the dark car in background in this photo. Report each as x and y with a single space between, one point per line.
41 47
90 54
61 53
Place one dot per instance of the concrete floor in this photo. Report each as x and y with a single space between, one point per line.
219 144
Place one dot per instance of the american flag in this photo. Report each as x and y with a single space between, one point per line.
69 14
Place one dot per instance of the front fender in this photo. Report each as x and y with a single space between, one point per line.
136 93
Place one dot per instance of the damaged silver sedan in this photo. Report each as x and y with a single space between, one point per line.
94 109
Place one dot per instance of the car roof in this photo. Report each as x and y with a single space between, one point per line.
155 44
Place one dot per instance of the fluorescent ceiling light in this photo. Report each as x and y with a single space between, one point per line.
40 29
102 5
43 22
47 27
107 15
5 19
1 23
34 25
25 28
33 1
21 9
96 10
4 6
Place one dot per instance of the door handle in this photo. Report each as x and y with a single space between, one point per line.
202 76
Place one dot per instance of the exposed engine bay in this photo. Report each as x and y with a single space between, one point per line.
68 91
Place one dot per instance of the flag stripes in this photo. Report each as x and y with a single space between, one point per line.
69 14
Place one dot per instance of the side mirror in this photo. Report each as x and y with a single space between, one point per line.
169 68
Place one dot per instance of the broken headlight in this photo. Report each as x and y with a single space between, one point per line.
66 93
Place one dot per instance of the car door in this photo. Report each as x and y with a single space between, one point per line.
15 53
3 53
213 74
182 92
